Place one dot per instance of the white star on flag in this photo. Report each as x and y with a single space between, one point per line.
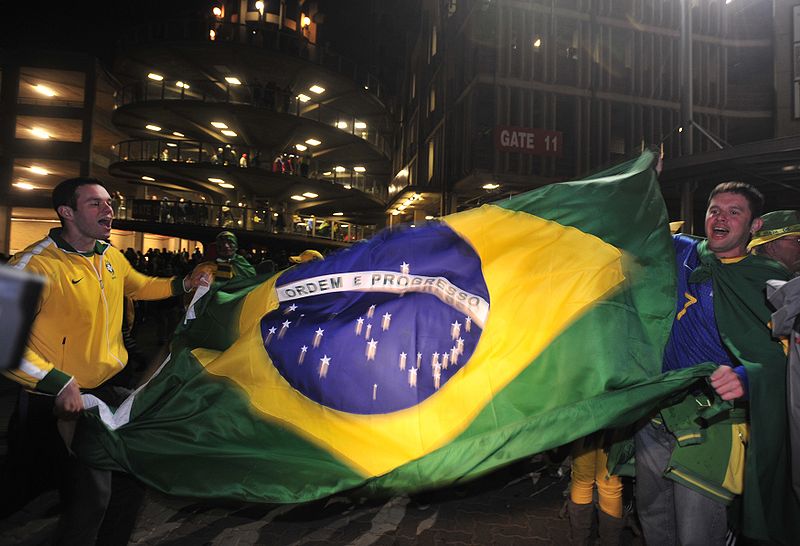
289 309
435 359
437 379
412 377
284 327
370 311
359 325
372 348
454 356
455 329
374 391
403 361
324 363
387 320
368 332
302 356
404 268
271 333
317 337
445 358
419 359
460 346
467 324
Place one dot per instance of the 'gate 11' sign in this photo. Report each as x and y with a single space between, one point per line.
528 140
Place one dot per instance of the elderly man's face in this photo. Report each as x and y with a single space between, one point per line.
226 248
786 250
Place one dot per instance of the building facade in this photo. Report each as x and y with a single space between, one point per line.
507 95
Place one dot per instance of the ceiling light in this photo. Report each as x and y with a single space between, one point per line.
537 43
301 147
303 98
360 125
154 76
341 125
313 142
44 90
23 185
339 169
181 84
233 80
395 212
416 196
148 179
310 195
327 173
171 144
38 132
177 134
298 198
344 225
429 217
305 21
260 5
347 186
360 169
216 180
401 207
316 89
338 214
152 127
226 186
228 132
38 170
490 186
789 168
219 125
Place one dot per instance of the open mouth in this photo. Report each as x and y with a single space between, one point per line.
105 222
720 231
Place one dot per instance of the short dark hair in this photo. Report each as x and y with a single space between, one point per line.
66 191
754 197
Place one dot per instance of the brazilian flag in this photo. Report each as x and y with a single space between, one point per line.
424 356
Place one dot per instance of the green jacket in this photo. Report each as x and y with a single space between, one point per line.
768 510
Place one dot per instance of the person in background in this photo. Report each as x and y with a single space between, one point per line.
779 239
306 256
228 263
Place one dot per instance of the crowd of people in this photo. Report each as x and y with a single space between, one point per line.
683 493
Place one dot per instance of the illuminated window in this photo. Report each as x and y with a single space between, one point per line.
430 160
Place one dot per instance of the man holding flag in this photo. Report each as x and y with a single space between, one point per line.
686 474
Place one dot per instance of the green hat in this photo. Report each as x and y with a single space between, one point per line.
227 235
776 224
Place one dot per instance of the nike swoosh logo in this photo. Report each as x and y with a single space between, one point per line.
76 282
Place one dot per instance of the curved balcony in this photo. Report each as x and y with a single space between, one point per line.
258 34
204 220
224 172
371 127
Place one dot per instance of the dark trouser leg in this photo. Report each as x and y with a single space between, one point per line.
655 501
127 495
85 493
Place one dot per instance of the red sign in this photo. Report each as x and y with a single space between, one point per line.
528 140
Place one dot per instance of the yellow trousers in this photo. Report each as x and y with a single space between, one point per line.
589 468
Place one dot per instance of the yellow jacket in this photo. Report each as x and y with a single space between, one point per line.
77 331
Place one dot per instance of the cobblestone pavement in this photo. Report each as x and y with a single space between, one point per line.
520 504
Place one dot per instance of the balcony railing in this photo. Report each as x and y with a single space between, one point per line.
212 154
258 34
228 216
257 95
